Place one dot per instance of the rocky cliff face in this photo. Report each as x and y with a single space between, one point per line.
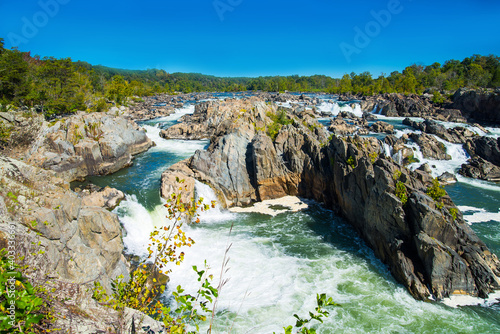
427 246
480 106
87 144
63 241
485 159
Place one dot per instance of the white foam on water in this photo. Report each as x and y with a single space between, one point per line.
478 183
458 157
464 300
178 146
214 214
286 104
334 108
478 215
186 109
400 133
137 223
493 132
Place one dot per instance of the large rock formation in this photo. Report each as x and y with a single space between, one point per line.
457 135
478 105
87 144
427 245
65 245
485 159
408 106
431 148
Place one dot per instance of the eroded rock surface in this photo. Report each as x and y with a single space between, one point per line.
87 144
63 241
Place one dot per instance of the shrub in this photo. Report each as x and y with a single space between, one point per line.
436 192
351 162
278 120
20 306
453 212
141 292
401 192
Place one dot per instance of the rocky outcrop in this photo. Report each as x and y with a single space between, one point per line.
478 168
339 127
478 105
428 246
106 197
431 148
382 127
64 242
487 148
87 144
412 105
213 118
457 135
82 243
485 159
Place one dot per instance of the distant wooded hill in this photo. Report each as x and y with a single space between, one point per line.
59 86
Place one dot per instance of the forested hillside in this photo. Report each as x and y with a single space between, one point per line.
61 86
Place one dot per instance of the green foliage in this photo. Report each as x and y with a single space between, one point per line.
61 86
20 306
278 120
318 315
401 192
373 157
410 159
453 212
5 131
351 162
436 192
99 105
94 131
397 174
437 98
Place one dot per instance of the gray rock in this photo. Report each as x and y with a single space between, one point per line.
431 148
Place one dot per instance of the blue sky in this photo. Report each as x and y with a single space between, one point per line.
254 37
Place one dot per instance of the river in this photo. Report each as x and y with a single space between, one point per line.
278 264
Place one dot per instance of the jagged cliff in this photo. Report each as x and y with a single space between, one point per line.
87 144
428 248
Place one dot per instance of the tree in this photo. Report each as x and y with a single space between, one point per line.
13 70
476 76
118 89
409 82
345 84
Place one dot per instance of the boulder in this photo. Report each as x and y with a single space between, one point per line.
339 127
67 243
382 127
478 105
479 168
431 148
107 198
487 148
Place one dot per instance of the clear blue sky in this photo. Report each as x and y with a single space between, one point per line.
253 37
